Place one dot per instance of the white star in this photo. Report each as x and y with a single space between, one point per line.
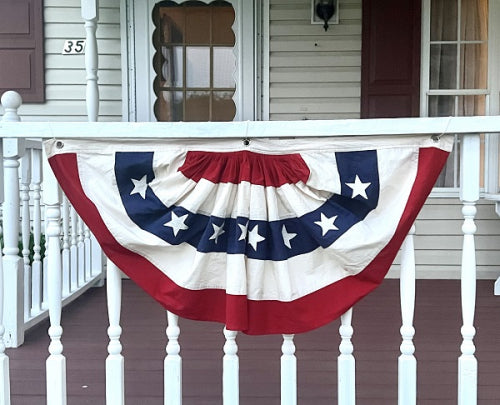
177 223
244 230
359 188
254 238
218 231
140 186
327 224
287 237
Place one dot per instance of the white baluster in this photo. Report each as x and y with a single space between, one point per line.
469 194
36 267
346 363
87 243
13 149
288 371
74 250
56 362
66 265
115 385
81 254
173 363
90 14
407 363
24 188
230 369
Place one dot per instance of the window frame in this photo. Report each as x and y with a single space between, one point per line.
492 93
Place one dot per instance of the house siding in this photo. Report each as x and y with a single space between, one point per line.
314 74
65 74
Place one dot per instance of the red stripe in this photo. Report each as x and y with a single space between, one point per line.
237 312
235 167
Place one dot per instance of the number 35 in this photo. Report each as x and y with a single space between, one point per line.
72 46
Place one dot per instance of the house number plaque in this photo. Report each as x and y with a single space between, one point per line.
74 47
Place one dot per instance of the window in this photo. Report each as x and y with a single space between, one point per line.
457 76
21 49
194 61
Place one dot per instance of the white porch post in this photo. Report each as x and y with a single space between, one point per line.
469 194
13 267
346 363
90 14
4 360
56 362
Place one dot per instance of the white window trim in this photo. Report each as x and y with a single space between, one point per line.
138 76
492 94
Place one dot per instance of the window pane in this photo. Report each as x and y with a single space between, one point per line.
474 24
197 66
471 105
197 106
223 107
222 21
441 106
172 25
444 20
443 67
224 67
172 66
198 23
474 66
168 106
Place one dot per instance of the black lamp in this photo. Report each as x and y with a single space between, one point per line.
325 9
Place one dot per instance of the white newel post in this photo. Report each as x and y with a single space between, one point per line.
115 380
230 369
172 364
346 365
36 267
407 363
4 360
469 194
288 371
13 267
56 362
90 14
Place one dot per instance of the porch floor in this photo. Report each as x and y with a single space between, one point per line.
376 341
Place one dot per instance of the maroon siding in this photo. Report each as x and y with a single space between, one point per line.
21 49
390 69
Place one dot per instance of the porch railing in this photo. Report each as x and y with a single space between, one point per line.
24 238
468 128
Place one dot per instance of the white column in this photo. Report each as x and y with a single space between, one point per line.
407 363
13 149
90 14
56 362
115 385
4 360
230 369
469 194
173 363
36 267
26 229
288 371
346 366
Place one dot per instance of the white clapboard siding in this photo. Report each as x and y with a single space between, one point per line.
65 75
313 74
439 238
